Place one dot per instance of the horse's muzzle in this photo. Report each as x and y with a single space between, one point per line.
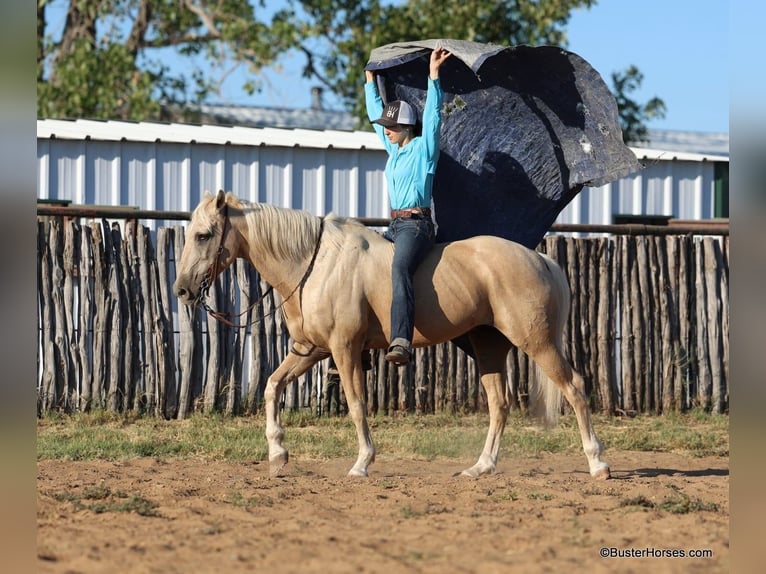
184 295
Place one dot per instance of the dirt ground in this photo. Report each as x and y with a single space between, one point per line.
542 514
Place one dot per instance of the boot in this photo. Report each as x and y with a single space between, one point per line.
398 355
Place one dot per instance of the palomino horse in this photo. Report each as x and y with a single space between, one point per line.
334 278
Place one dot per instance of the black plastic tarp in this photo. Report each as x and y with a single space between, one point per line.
523 130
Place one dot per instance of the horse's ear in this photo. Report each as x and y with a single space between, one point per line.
220 200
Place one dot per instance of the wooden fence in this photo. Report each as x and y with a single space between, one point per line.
648 330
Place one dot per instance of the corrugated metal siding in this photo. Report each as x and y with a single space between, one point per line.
174 176
169 167
678 188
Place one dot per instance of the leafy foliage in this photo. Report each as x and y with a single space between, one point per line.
633 115
349 30
108 61
108 58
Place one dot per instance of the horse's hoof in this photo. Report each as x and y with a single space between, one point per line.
476 471
357 473
602 474
277 463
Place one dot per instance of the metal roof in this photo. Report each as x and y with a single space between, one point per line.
706 143
650 154
314 118
111 130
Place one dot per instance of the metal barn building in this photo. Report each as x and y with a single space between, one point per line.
168 166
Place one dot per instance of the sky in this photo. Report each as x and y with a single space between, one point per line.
680 46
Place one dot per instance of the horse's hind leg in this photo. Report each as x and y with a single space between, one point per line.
491 350
297 362
571 384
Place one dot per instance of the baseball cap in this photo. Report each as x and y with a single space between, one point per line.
397 112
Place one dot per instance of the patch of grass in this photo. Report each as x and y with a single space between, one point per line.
418 556
107 436
239 500
680 503
505 496
539 496
696 433
639 500
600 491
101 499
388 484
409 512
86 436
676 503
114 437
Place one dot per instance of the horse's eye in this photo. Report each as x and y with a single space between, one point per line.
204 236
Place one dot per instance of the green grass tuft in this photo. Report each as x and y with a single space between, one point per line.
105 436
101 499
676 503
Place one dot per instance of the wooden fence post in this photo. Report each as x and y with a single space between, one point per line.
604 322
107 333
47 395
164 338
86 317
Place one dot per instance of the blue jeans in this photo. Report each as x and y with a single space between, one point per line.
413 239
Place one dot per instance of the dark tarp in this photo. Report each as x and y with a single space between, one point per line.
523 130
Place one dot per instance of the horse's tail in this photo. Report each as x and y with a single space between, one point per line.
545 397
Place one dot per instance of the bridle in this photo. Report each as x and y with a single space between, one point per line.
214 269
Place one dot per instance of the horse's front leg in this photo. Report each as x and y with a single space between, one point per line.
298 361
349 363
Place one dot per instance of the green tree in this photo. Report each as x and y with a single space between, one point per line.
109 59
633 115
350 29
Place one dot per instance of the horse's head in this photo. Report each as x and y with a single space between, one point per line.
208 250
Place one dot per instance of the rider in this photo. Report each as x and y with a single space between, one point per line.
410 172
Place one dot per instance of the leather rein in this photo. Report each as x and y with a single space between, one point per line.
215 268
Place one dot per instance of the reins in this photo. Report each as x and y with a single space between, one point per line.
212 273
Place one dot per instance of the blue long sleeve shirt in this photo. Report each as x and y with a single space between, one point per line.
410 169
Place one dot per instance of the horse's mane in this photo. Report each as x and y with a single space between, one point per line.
292 233
288 233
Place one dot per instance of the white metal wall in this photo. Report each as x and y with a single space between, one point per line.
681 189
169 166
170 176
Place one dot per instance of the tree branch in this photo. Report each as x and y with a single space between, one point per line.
207 19
79 24
40 39
311 69
178 40
140 26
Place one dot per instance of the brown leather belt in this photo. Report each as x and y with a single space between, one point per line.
416 212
